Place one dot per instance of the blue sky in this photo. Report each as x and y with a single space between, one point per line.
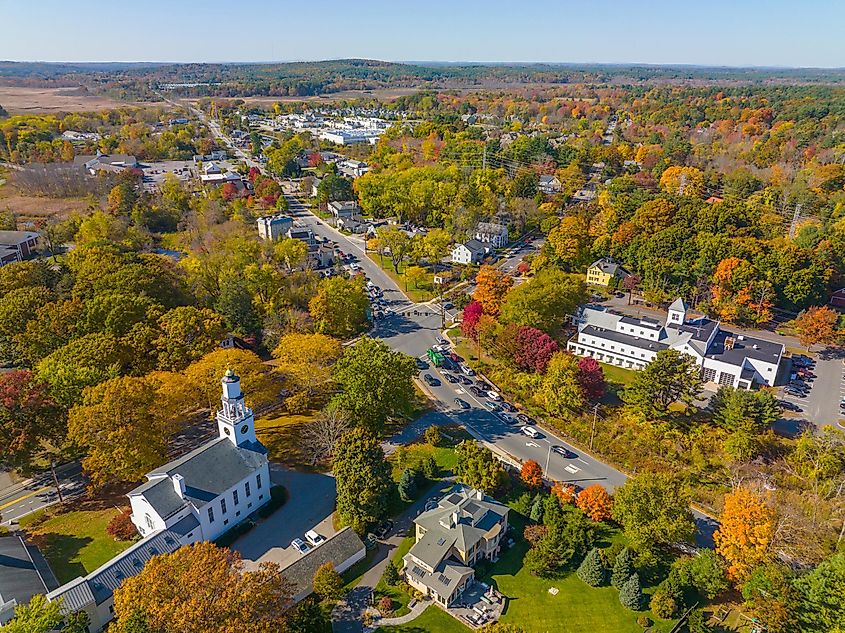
716 32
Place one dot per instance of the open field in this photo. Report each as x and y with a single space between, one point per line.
33 208
24 100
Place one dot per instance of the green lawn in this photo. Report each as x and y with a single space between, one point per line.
618 375
74 543
432 620
397 593
281 435
417 295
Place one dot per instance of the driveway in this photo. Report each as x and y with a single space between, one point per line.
309 506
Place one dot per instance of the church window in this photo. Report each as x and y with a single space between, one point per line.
246 486
235 496
258 481
210 514
223 506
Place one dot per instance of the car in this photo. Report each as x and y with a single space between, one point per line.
494 395
421 364
493 406
463 404
464 380
315 539
448 306
384 529
507 406
431 381
560 450
525 419
530 431
786 405
794 392
467 370
478 393
450 378
441 341
300 546
507 419
455 358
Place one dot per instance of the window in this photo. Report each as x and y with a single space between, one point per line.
210 514
258 481
235 496
246 487
223 506
260 497
149 521
226 522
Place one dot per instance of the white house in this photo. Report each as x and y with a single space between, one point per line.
215 486
352 168
470 252
632 342
344 209
492 233
549 185
273 227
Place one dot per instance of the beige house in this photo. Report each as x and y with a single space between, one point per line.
466 527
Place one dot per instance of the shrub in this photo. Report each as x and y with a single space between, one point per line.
278 498
591 570
631 593
391 574
385 605
663 605
697 622
429 468
644 621
298 403
121 528
623 568
432 436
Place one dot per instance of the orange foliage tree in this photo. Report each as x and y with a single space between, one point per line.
491 286
564 492
595 502
531 474
202 587
817 326
745 532
738 295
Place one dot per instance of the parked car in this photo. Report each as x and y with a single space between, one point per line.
300 546
315 539
450 378
441 341
507 406
560 450
493 406
465 380
455 358
524 418
494 395
507 419
431 381
420 363
786 405
467 370
792 391
384 529
530 431
463 404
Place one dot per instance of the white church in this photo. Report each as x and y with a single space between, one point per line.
196 497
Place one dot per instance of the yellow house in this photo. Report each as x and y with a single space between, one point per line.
603 270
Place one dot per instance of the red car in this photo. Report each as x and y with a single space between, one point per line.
455 358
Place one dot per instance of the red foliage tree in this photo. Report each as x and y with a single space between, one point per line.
472 313
230 191
27 417
253 174
531 474
314 159
534 349
121 527
591 379
564 492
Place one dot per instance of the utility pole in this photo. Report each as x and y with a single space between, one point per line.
548 458
56 480
593 426
794 224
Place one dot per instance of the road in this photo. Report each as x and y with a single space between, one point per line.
21 499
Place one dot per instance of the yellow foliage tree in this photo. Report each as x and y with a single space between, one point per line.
745 533
491 286
685 181
256 380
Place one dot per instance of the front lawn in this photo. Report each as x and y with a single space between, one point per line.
397 593
417 295
281 435
432 620
74 543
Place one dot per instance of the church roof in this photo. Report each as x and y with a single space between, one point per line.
209 471
679 304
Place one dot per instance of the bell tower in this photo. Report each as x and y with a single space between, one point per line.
235 421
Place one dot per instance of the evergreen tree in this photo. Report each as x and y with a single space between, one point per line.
391 574
592 570
631 593
363 480
408 485
623 568
537 509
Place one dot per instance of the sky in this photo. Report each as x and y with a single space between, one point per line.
797 33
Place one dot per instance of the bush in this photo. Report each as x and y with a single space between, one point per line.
663 604
230 536
591 570
385 605
298 403
432 436
327 583
121 527
429 468
278 498
644 621
697 622
623 568
631 593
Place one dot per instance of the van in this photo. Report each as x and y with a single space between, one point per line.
315 539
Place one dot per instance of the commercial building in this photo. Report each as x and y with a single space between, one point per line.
274 227
470 252
492 233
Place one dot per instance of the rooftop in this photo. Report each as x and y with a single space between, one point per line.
20 578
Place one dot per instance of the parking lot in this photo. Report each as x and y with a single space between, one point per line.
819 392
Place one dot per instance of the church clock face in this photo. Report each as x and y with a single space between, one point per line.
244 428
227 431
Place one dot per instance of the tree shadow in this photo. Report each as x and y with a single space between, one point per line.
60 551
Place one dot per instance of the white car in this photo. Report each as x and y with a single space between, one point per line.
300 546
530 431
467 370
494 395
315 539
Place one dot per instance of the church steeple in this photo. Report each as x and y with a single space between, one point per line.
235 421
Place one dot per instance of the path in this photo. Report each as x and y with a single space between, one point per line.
415 611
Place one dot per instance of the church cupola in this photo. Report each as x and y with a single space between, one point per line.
235 421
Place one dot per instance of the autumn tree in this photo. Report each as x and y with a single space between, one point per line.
472 313
531 475
364 484
257 381
478 468
306 361
564 492
534 349
396 242
817 326
683 181
545 301
560 391
320 437
746 530
187 334
491 287
671 377
202 587
568 244
591 378
595 502
328 584
340 306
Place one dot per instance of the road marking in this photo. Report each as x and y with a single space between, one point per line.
532 444
582 461
571 468
31 494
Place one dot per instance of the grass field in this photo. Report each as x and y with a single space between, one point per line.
26 100
281 435
74 543
400 597
432 620
417 295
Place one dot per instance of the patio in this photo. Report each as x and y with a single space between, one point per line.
480 604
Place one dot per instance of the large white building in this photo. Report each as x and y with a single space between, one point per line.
274 227
725 358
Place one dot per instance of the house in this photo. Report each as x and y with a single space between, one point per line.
492 233
23 574
470 252
353 224
837 299
315 186
301 232
549 185
466 527
345 209
214 487
603 270
632 342
23 243
274 227
113 163
352 168
342 550
212 168
219 177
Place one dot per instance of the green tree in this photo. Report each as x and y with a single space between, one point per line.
822 607
623 568
187 334
291 252
591 570
334 188
391 574
560 392
432 435
362 475
478 468
407 485
537 509
545 301
236 306
631 593
340 306
375 383
397 242
705 573
743 410
668 598
671 377
37 616
653 508
308 617
328 583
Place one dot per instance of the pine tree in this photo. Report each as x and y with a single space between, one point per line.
631 593
592 570
391 574
623 568
537 509
407 485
